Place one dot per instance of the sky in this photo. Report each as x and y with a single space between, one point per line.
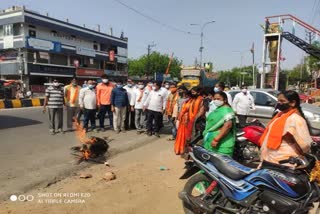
236 27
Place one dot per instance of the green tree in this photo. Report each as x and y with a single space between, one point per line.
237 75
158 63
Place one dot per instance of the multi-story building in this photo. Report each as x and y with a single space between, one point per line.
36 48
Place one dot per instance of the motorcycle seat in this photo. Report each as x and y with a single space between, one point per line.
225 164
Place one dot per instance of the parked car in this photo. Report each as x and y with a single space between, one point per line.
266 100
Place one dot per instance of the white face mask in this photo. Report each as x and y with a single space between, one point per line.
244 90
153 87
55 84
141 86
105 80
218 103
167 86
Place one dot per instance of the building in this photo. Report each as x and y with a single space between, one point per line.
36 48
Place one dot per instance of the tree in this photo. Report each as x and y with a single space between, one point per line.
237 76
157 64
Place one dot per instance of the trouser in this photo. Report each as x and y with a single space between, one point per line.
139 120
129 119
102 114
119 116
72 112
242 120
173 127
89 115
157 117
53 113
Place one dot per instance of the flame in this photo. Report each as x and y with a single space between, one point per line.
82 137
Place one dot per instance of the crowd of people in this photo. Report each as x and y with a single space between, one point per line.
143 107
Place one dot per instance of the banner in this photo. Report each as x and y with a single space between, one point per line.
111 56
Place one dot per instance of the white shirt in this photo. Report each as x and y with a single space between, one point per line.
136 96
242 103
229 99
87 98
130 91
156 101
166 92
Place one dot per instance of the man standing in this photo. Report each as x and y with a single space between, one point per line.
55 102
242 103
71 95
171 102
119 103
155 104
88 104
129 120
140 95
104 90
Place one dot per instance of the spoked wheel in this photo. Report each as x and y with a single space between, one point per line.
195 189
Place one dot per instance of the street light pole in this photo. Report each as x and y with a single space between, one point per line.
201 38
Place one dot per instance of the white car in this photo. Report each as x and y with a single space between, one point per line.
266 100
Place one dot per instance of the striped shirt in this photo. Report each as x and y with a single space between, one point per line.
55 97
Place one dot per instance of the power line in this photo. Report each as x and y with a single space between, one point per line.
153 19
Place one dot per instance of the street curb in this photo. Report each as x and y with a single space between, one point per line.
4 104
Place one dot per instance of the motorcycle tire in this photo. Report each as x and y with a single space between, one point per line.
191 184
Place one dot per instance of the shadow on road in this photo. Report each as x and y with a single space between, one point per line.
7 122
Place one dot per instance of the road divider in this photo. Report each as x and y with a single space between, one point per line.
21 103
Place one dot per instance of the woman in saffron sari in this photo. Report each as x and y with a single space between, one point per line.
190 111
287 134
220 132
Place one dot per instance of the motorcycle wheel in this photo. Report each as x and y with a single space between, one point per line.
196 187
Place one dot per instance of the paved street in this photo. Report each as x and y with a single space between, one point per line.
30 157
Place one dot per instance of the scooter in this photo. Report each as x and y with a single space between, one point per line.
218 184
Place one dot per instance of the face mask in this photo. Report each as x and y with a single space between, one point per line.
218 103
90 86
74 84
216 89
283 106
173 90
194 95
119 85
105 80
167 86
55 84
244 90
154 88
129 85
141 86
180 94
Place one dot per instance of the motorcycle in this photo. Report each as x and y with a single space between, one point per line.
218 184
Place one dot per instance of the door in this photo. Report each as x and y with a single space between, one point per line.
264 105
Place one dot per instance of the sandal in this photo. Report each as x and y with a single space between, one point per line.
171 139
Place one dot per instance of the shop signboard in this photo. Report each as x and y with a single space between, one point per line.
41 44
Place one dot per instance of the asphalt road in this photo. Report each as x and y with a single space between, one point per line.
30 157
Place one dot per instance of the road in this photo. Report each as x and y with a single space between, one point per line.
30 157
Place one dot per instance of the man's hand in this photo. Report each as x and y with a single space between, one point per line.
44 110
144 108
132 108
81 108
112 109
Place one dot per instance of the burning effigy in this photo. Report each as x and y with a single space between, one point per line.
92 147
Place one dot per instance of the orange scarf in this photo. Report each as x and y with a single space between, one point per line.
276 130
141 94
172 100
73 100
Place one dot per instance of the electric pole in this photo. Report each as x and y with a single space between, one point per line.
148 58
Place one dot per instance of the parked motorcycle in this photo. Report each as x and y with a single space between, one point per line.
219 184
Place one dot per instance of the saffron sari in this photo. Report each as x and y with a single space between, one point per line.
214 123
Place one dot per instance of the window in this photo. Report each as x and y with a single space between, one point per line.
58 59
32 33
1 30
95 46
262 99
17 29
8 30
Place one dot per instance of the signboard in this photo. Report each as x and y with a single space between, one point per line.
86 51
122 51
123 60
76 63
111 55
116 73
44 70
7 42
42 44
90 72
44 55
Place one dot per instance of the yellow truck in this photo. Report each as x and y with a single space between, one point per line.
197 77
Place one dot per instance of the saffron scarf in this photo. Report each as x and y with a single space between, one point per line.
76 93
276 129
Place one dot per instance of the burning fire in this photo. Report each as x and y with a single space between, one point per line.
86 142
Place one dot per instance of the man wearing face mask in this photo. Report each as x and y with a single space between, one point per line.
71 96
54 101
104 90
130 114
171 102
220 86
119 103
88 104
140 95
242 103
156 104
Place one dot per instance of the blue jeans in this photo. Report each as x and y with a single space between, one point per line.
173 127
89 115
102 114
